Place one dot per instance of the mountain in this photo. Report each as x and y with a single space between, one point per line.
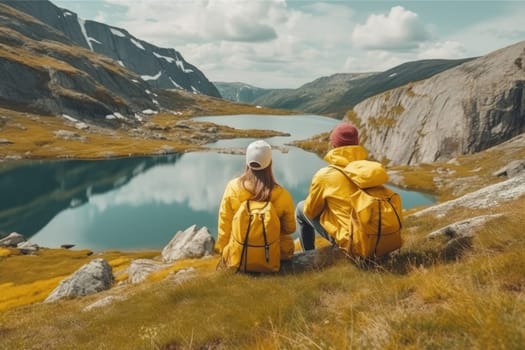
335 94
462 110
160 67
42 71
240 92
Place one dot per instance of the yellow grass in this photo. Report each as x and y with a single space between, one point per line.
5 252
425 297
26 279
12 295
421 298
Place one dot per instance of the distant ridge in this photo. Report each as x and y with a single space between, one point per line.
335 94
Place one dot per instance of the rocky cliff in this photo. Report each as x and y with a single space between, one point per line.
42 71
159 67
463 110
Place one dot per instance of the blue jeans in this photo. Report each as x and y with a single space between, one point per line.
308 227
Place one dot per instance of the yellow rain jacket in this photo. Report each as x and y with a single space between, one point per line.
329 193
235 194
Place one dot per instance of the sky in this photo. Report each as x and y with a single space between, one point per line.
285 44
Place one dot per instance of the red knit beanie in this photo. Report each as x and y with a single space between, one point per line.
344 134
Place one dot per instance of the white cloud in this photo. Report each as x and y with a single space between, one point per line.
444 50
399 30
101 17
494 33
265 43
169 22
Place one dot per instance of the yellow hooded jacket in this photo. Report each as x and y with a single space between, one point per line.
329 193
235 194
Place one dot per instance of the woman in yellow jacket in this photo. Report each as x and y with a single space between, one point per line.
326 208
257 184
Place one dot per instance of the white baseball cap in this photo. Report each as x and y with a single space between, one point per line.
258 155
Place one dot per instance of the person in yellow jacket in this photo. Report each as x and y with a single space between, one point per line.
257 183
326 207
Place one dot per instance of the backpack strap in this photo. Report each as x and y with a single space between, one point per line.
266 246
244 252
378 226
261 217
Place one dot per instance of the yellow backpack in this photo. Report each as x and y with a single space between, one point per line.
254 240
376 211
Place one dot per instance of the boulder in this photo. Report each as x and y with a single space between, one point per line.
140 269
12 240
312 260
91 278
191 243
512 169
456 238
27 247
464 228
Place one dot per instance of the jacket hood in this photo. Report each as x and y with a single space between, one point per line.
342 156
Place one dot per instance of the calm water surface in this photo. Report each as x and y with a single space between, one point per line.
138 203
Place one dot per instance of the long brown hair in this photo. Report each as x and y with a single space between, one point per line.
259 182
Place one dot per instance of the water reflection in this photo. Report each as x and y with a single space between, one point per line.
33 192
138 203
153 205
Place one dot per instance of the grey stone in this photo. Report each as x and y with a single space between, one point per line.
312 260
91 278
512 169
69 135
12 240
27 247
165 149
464 228
81 126
191 243
487 197
104 302
140 269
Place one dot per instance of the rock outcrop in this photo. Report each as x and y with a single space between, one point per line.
93 277
190 243
487 197
463 110
464 228
140 269
44 72
12 240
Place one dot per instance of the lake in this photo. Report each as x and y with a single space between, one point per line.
141 202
